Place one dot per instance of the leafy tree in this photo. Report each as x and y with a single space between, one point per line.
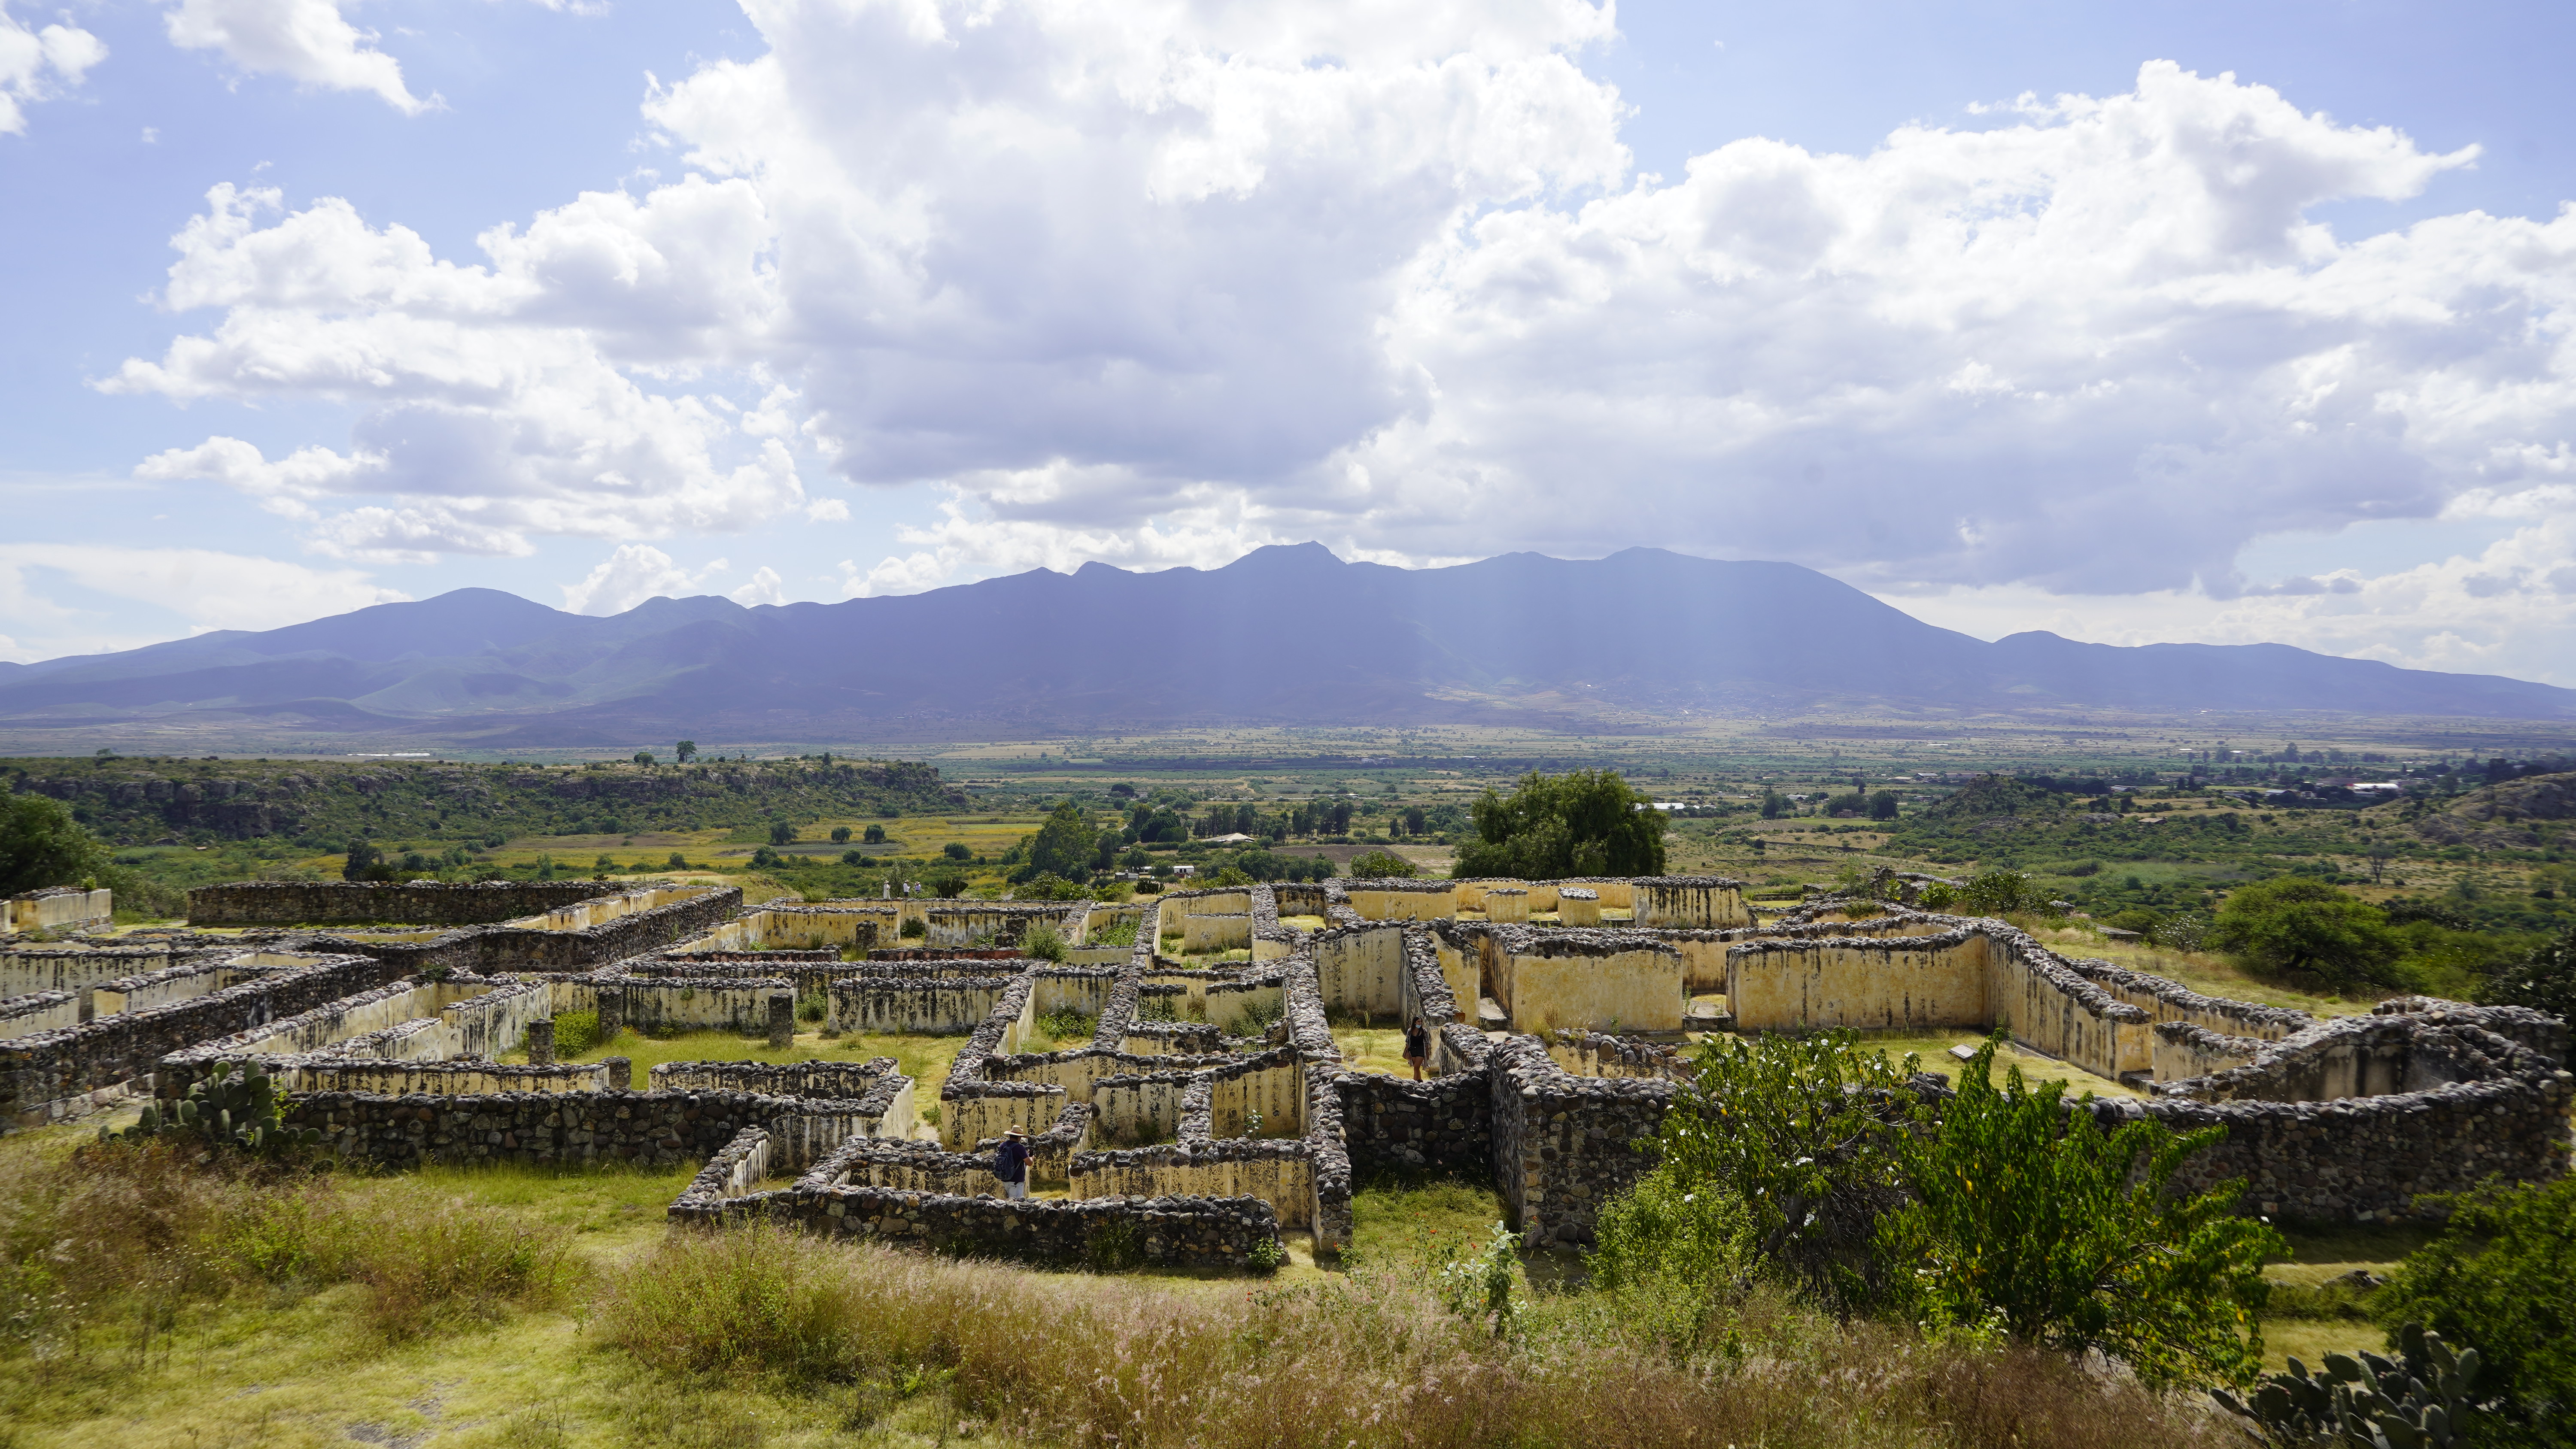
686 750
2027 1216
1774 804
873 835
42 845
1882 805
2501 1279
1589 822
1382 865
854 857
2299 923
1064 844
366 862
840 835
781 833
956 850
1796 1128
643 757
2544 980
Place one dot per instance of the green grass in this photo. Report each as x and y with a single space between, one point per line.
1372 1049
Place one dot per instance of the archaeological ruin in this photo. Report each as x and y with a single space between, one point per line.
1210 1113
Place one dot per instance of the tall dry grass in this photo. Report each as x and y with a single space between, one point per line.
1372 1360
130 1232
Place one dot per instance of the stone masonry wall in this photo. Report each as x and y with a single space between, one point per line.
359 903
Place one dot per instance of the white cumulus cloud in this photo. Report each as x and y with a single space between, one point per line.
209 588
39 64
307 41
1155 284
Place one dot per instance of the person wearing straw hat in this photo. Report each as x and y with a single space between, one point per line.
1011 1163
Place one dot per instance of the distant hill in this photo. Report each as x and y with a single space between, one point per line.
2510 816
1285 635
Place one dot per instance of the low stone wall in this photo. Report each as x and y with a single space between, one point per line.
1689 902
1280 1173
38 1011
380 1077
2537 1030
160 988
1564 1145
52 1073
1170 1232
58 908
361 903
499 949
1394 1126
649 1129
2184 1051
721 1003
943 1006
76 966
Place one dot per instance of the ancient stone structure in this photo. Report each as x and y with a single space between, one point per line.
57 908
1211 1111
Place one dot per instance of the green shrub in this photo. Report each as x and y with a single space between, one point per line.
2426 1397
2299 923
812 1007
2501 1279
2028 1216
1795 1128
1066 1024
575 1032
1669 1257
1043 942
914 928
1382 865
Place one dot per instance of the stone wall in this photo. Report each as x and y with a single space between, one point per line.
359 903
648 1129
1279 1173
42 1075
1565 1145
38 1011
58 908
1396 1127
1167 1232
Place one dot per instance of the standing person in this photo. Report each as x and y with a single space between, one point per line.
1011 1163
1417 1046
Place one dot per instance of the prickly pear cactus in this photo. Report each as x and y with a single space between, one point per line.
2422 1400
230 1107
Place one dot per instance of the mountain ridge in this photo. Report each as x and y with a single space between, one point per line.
1285 635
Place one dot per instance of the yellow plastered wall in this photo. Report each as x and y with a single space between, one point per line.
1277 1093
1575 908
2177 1060
1286 1183
1693 907
1226 1004
1506 905
1629 991
1836 983
1139 1108
1212 932
1388 905
2044 1015
967 1119
1461 972
1362 971
1703 965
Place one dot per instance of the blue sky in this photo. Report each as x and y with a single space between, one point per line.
2136 323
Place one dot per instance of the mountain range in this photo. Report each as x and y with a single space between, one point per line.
1285 635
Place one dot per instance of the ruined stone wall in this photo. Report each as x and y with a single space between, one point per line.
1172 1232
721 1003
1361 969
936 1007
42 1074
648 1129
1681 902
1394 1126
58 908
1564 1145
38 1011
160 988
358 903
